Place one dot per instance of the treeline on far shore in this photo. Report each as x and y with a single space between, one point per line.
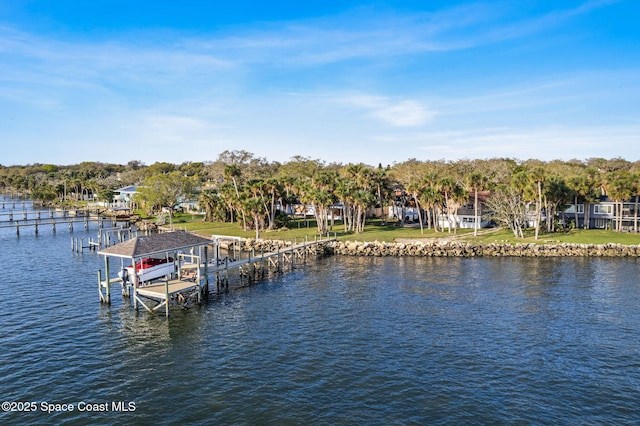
240 187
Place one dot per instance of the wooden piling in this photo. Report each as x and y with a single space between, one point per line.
166 295
107 280
100 286
226 272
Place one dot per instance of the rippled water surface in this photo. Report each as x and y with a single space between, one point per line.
337 341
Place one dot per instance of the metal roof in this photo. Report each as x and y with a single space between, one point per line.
127 189
155 244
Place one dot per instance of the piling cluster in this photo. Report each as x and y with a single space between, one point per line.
458 249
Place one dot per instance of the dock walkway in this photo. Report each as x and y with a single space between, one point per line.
193 273
53 217
255 265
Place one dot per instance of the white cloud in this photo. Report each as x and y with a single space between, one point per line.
366 34
404 114
116 62
397 113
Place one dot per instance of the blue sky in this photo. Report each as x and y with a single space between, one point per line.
341 81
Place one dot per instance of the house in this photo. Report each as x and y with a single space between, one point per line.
190 206
604 212
465 216
403 207
335 210
122 197
410 213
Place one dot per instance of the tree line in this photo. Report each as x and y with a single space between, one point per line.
240 187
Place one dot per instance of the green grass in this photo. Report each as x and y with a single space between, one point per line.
575 236
300 229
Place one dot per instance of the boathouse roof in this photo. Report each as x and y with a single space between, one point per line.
155 244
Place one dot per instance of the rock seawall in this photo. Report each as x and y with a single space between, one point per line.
251 244
451 249
457 249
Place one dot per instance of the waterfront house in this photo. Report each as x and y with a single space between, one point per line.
604 214
464 216
122 197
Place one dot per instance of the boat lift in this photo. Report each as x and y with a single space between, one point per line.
184 276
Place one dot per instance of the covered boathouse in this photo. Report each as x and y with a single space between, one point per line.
181 259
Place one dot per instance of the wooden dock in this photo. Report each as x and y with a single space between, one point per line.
27 214
255 265
52 217
165 293
194 272
153 295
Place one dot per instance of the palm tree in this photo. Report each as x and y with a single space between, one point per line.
458 197
344 193
448 187
302 188
577 185
593 181
214 206
635 186
229 197
383 189
93 186
619 189
273 190
256 208
257 189
360 193
537 178
232 171
583 185
476 182
321 196
556 194
415 189
431 198
363 199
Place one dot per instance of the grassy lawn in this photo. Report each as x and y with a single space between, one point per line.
574 236
299 229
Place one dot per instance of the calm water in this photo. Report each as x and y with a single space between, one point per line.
339 341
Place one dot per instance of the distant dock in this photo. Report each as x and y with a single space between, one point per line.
20 219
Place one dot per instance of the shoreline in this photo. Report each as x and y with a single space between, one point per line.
458 249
